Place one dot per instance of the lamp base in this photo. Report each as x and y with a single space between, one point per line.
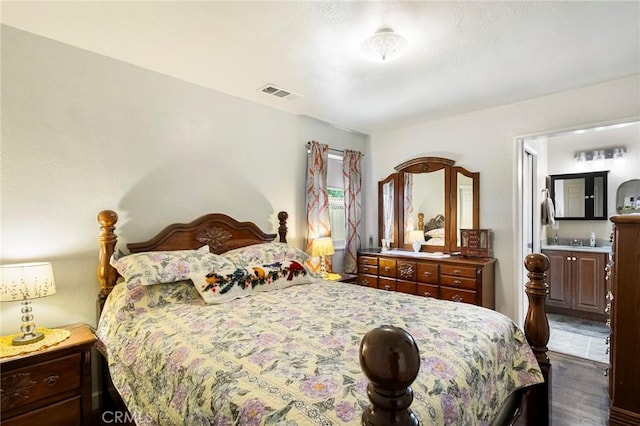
27 338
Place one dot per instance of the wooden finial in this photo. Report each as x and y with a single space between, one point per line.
390 359
282 229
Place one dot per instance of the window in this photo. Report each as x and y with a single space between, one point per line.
335 190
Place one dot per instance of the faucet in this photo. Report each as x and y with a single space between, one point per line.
555 239
576 243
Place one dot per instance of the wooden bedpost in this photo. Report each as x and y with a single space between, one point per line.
390 359
536 328
107 275
282 229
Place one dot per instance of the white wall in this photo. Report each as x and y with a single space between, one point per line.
82 132
485 141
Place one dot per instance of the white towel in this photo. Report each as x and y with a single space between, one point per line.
548 210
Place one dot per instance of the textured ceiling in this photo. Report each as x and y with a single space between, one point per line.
462 56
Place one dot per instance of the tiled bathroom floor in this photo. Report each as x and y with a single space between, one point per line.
577 337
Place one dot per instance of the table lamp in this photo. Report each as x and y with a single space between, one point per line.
26 281
322 247
416 238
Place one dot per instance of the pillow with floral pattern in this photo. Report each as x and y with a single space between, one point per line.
223 285
158 267
265 253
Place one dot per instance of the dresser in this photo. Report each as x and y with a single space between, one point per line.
460 279
624 380
51 386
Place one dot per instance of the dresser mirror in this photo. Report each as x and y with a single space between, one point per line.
429 194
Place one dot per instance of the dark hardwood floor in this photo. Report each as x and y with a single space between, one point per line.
579 392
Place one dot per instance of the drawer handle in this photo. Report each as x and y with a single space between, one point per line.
387 287
568 257
606 372
456 298
365 282
607 340
608 323
427 274
457 282
608 308
457 271
427 294
51 380
607 350
387 269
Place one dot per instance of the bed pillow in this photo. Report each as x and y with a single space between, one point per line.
265 253
223 285
159 267
435 242
435 233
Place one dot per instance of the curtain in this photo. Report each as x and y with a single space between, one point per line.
352 175
409 220
318 223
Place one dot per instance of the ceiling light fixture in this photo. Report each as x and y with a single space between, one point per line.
384 45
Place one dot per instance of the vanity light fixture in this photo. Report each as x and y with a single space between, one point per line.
384 45
601 154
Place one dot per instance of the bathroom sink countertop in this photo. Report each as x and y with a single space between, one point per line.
597 249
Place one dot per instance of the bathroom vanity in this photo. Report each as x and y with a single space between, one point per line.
576 278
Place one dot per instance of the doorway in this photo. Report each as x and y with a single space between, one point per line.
537 158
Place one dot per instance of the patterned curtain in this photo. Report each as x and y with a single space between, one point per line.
352 175
409 220
318 224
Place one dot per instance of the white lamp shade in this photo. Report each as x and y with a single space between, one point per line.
416 236
26 281
322 247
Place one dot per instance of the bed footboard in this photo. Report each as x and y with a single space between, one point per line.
390 359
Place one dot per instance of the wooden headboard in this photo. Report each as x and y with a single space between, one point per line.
219 231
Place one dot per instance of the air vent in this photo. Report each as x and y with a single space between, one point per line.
273 90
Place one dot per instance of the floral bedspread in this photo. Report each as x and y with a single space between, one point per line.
290 356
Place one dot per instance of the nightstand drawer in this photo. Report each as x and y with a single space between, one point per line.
33 383
458 271
64 413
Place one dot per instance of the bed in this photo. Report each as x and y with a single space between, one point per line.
317 352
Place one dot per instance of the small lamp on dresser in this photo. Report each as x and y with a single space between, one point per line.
26 281
416 238
322 247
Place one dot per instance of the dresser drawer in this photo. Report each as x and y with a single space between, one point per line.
456 295
64 413
367 260
427 290
427 273
406 270
387 284
406 287
368 269
457 282
39 381
458 271
367 280
387 267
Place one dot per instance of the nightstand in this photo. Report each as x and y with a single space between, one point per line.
51 386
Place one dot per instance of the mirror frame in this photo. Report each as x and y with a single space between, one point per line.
475 178
392 178
426 165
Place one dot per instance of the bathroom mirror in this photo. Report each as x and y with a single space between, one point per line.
579 196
